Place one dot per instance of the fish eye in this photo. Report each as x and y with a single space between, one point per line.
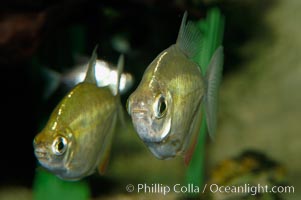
59 146
160 107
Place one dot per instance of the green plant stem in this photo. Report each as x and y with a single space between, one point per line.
212 28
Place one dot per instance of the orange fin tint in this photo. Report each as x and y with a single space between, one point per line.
104 160
104 163
190 151
195 131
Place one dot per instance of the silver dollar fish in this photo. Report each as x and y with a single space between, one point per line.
78 136
105 73
166 108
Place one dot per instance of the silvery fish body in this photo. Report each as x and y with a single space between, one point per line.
105 75
166 108
77 138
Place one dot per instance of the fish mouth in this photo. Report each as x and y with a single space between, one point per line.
139 113
41 154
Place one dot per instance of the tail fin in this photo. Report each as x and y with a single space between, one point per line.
189 38
90 75
53 79
213 79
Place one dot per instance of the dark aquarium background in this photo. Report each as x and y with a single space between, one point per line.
258 134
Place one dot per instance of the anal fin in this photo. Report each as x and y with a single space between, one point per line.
195 131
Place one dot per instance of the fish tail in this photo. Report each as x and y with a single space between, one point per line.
53 81
213 80
189 38
90 75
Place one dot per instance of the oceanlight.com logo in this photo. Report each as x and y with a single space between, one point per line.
157 188
249 189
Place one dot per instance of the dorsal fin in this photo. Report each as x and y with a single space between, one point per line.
189 38
90 75
120 66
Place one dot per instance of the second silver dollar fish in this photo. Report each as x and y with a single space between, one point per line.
78 136
166 108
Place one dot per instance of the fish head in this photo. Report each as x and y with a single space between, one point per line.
151 110
53 149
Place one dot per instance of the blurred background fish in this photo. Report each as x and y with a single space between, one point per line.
105 74
79 133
